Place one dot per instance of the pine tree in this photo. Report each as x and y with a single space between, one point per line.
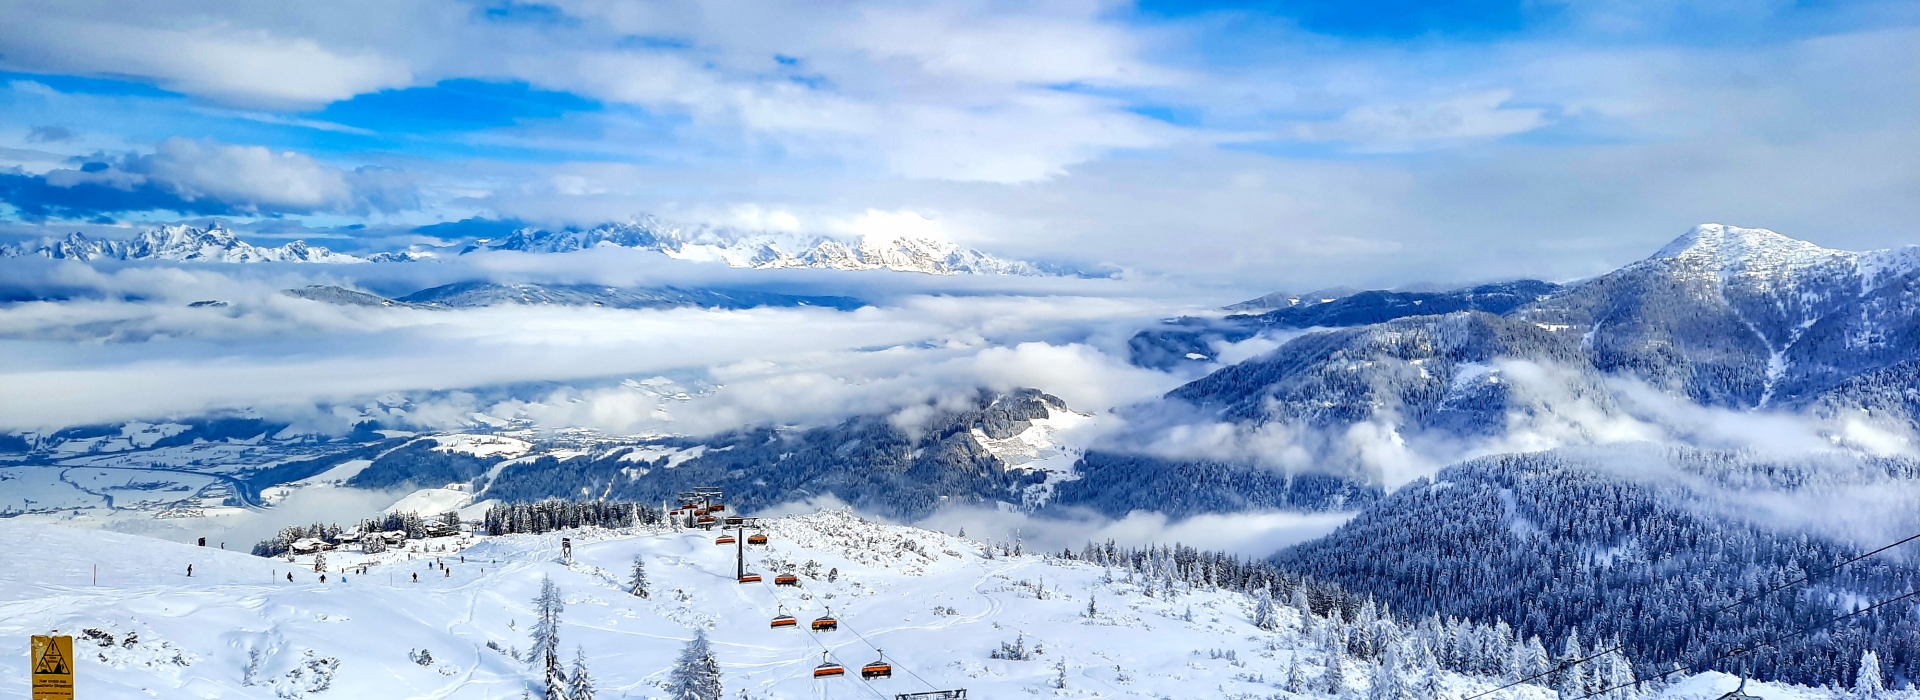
1335 679
638 583
1529 658
1425 666
320 562
696 675
1091 609
1613 675
1263 613
1386 681
1868 683
546 637
1296 678
1570 681
1390 676
579 682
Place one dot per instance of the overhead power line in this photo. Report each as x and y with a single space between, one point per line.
1737 651
1705 617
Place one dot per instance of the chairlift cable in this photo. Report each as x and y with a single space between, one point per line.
1737 651
811 638
903 667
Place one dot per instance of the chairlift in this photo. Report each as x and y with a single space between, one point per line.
784 620
878 669
701 511
1740 692
705 520
757 539
825 623
724 539
717 507
749 577
733 520
827 668
786 580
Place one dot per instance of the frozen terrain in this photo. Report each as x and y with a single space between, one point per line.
238 628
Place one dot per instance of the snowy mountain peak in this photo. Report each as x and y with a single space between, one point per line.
1728 248
764 250
215 243
757 250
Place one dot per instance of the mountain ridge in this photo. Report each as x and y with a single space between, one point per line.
763 251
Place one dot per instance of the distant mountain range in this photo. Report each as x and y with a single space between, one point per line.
179 242
1195 339
467 295
736 249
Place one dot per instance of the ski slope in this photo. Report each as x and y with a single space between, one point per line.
932 601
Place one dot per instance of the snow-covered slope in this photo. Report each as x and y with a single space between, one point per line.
238 628
1048 446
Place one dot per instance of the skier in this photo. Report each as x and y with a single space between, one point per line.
189 571
416 577
323 578
289 577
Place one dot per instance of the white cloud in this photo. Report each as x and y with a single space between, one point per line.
1252 535
1428 124
253 179
293 358
238 64
249 177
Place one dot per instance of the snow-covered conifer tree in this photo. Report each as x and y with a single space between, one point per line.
1867 683
579 681
1296 678
638 582
319 562
1612 677
546 636
1570 681
1529 658
696 675
1263 613
1334 681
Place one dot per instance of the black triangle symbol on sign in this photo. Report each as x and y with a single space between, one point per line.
51 661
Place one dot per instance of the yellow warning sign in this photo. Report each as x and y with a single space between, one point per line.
52 668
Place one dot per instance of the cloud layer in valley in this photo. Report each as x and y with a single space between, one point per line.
131 346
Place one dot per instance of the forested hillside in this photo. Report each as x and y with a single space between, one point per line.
1589 540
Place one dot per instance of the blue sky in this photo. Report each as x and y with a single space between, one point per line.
1275 143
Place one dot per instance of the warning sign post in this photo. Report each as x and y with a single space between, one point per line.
52 668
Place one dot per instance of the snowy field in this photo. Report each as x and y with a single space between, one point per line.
238 628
